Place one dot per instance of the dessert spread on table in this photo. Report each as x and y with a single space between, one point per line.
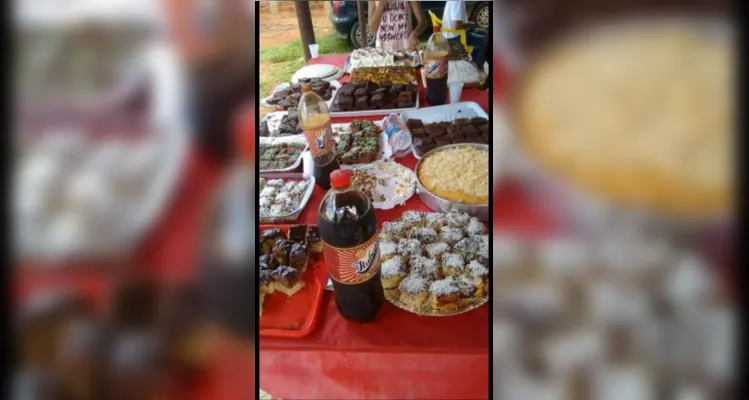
621 115
370 95
279 156
280 197
435 263
375 57
384 74
284 259
459 174
360 145
462 130
289 97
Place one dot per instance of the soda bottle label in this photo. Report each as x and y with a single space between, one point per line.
320 140
436 68
353 265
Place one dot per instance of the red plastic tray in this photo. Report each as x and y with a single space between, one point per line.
296 316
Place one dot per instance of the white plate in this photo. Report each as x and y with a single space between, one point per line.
334 84
372 113
444 113
396 183
326 72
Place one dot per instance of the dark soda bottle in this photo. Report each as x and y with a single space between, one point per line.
348 230
436 65
315 119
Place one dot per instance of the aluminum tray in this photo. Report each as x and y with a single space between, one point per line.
436 203
417 61
443 113
371 113
296 139
292 216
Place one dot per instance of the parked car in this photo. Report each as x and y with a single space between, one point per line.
346 20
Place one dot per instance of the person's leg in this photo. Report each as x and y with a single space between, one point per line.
477 40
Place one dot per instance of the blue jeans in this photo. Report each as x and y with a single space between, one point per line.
475 38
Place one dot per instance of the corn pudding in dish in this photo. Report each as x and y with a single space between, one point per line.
458 174
641 116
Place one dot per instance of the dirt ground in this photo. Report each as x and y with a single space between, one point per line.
281 28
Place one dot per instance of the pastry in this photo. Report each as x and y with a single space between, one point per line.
444 294
393 272
423 266
287 280
452 264
388 250
297 233
413 290
480 275
436 250
298 256
313 240
281 251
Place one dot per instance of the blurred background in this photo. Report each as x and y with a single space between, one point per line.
133 188
613 214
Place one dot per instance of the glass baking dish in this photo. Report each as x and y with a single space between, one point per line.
289 176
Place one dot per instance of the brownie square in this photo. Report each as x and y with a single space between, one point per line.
418 132
462 121
346 90
394 92
469 129
404 104
483 129
413 123
443 141
426 147
362 84
361 103
377 100
445 125
372 87
346 102
327 94
479 121
360 92
399 87
404 97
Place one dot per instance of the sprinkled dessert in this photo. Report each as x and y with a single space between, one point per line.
444 258
393 272
413 290
444 294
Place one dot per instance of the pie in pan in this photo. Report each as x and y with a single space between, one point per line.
642 117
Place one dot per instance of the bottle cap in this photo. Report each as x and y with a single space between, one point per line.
306 87
340 179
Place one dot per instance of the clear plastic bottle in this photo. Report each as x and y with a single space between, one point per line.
315 120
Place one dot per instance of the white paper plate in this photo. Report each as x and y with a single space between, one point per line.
326 72
333 84
395 182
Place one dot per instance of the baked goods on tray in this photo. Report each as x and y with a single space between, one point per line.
384 74
457 52
281 197
279 156
289 97
368 95
284 259
281 125
642 116
435 263
360 145
459 174
374 57
462 130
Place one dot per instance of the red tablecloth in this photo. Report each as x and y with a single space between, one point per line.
400 355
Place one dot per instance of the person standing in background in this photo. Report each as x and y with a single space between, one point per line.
391 20
455 17
214 39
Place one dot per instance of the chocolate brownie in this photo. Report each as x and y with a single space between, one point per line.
360 92
483 129
361 103
404 97
418 132
469 129
479 121
377 100
413 123
462 121
345 103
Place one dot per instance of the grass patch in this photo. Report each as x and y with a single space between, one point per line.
291 51
285 60
277 73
